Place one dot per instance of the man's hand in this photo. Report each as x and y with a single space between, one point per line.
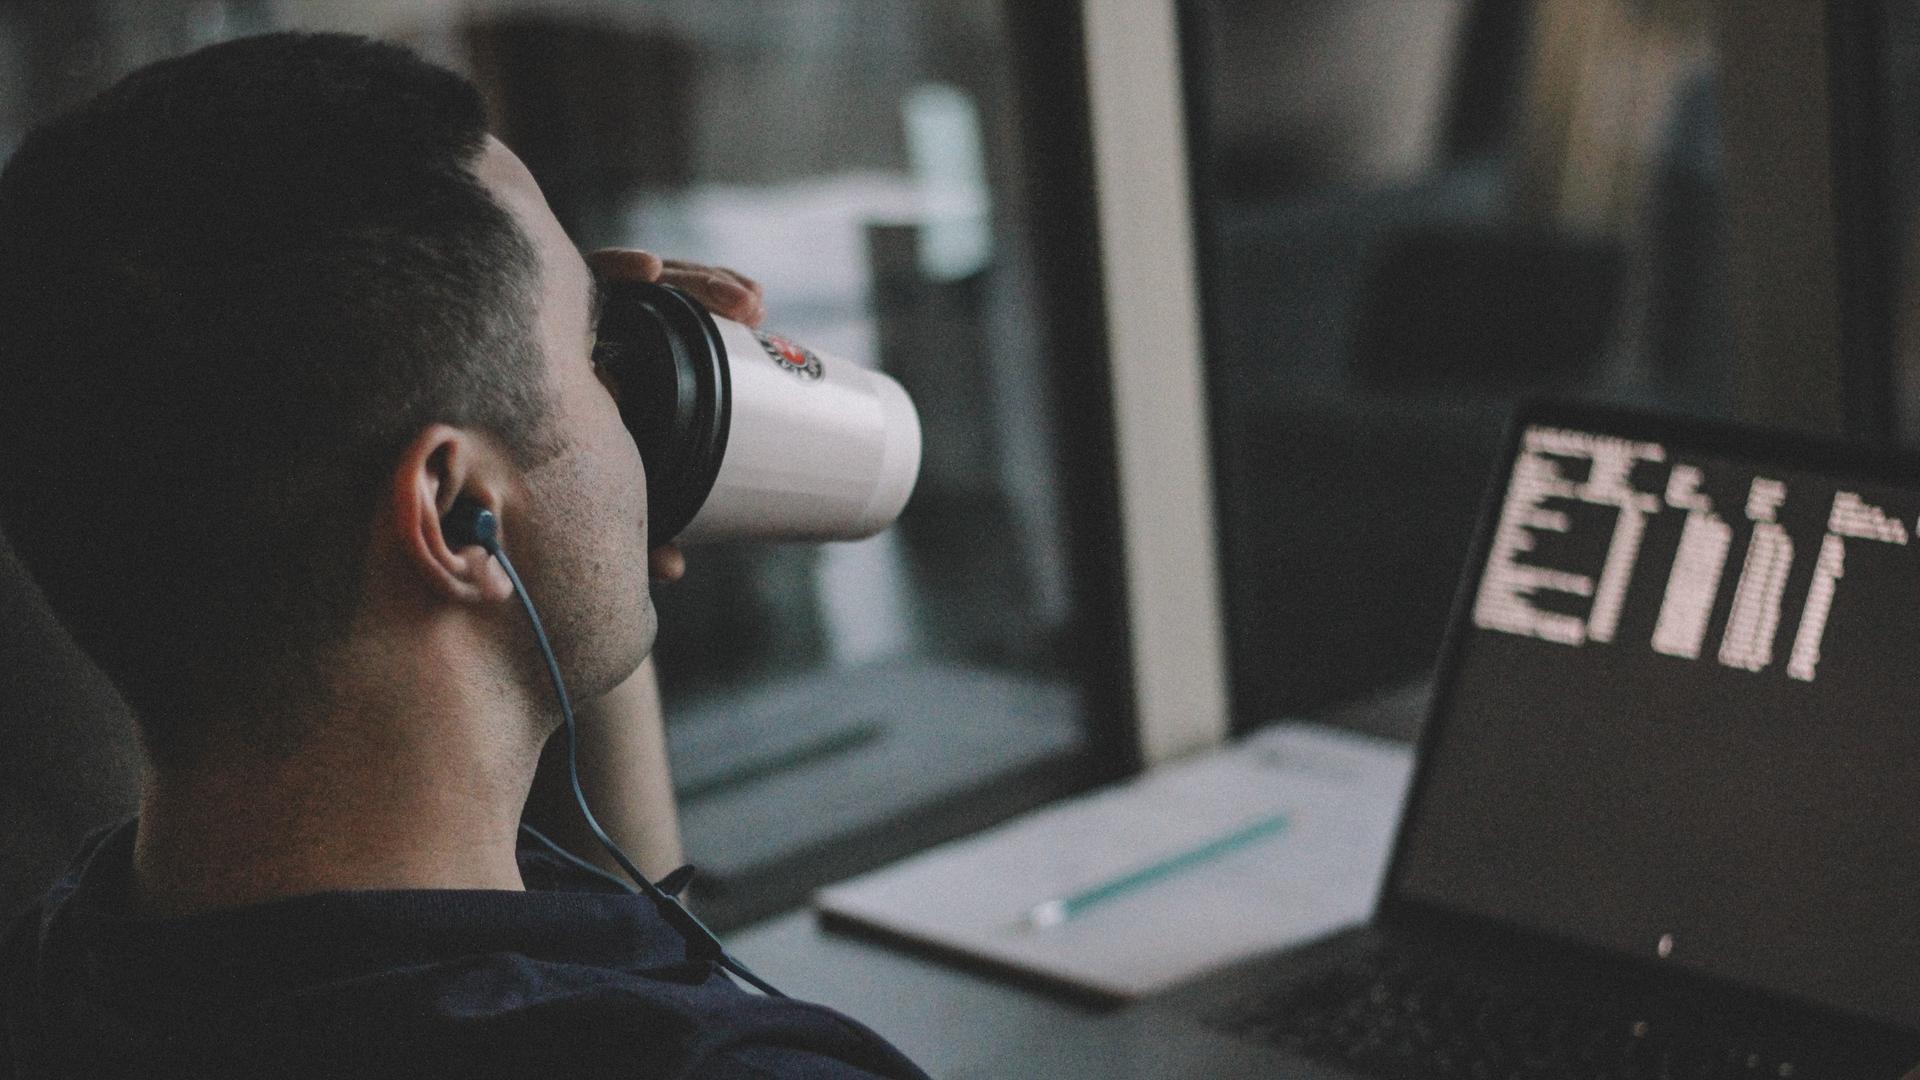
727 293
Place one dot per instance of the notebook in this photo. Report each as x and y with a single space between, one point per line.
1665 815
1137 887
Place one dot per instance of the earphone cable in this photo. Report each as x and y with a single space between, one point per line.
576 861
688 924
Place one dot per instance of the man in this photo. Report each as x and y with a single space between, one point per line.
271 311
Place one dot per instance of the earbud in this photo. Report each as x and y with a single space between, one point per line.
469 523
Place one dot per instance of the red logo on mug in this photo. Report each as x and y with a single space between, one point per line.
791 355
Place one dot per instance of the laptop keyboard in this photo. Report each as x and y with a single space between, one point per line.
1397 1016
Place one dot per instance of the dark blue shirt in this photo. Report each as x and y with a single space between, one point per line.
568 979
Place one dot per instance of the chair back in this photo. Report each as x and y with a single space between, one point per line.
69 758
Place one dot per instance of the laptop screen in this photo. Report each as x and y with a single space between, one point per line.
1683 721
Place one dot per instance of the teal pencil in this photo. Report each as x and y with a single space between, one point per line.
1054 912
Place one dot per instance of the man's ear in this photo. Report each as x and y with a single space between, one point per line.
441 466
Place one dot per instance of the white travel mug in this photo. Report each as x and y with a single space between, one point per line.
746 435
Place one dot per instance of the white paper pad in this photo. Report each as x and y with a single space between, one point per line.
1174 916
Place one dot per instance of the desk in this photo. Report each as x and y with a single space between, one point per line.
950 1021
954 1022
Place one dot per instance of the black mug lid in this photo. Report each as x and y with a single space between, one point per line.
669 365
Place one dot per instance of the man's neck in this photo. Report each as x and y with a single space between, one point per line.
414 794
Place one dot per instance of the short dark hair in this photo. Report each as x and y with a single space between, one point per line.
233 287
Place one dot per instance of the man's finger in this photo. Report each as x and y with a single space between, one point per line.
750 310
723 296
626 264
741 279
726 293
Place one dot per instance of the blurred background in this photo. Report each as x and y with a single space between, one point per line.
1413 213
1408 215
834 706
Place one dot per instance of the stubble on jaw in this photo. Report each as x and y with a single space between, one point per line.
592 588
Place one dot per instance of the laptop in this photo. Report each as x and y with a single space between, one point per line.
1665 820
